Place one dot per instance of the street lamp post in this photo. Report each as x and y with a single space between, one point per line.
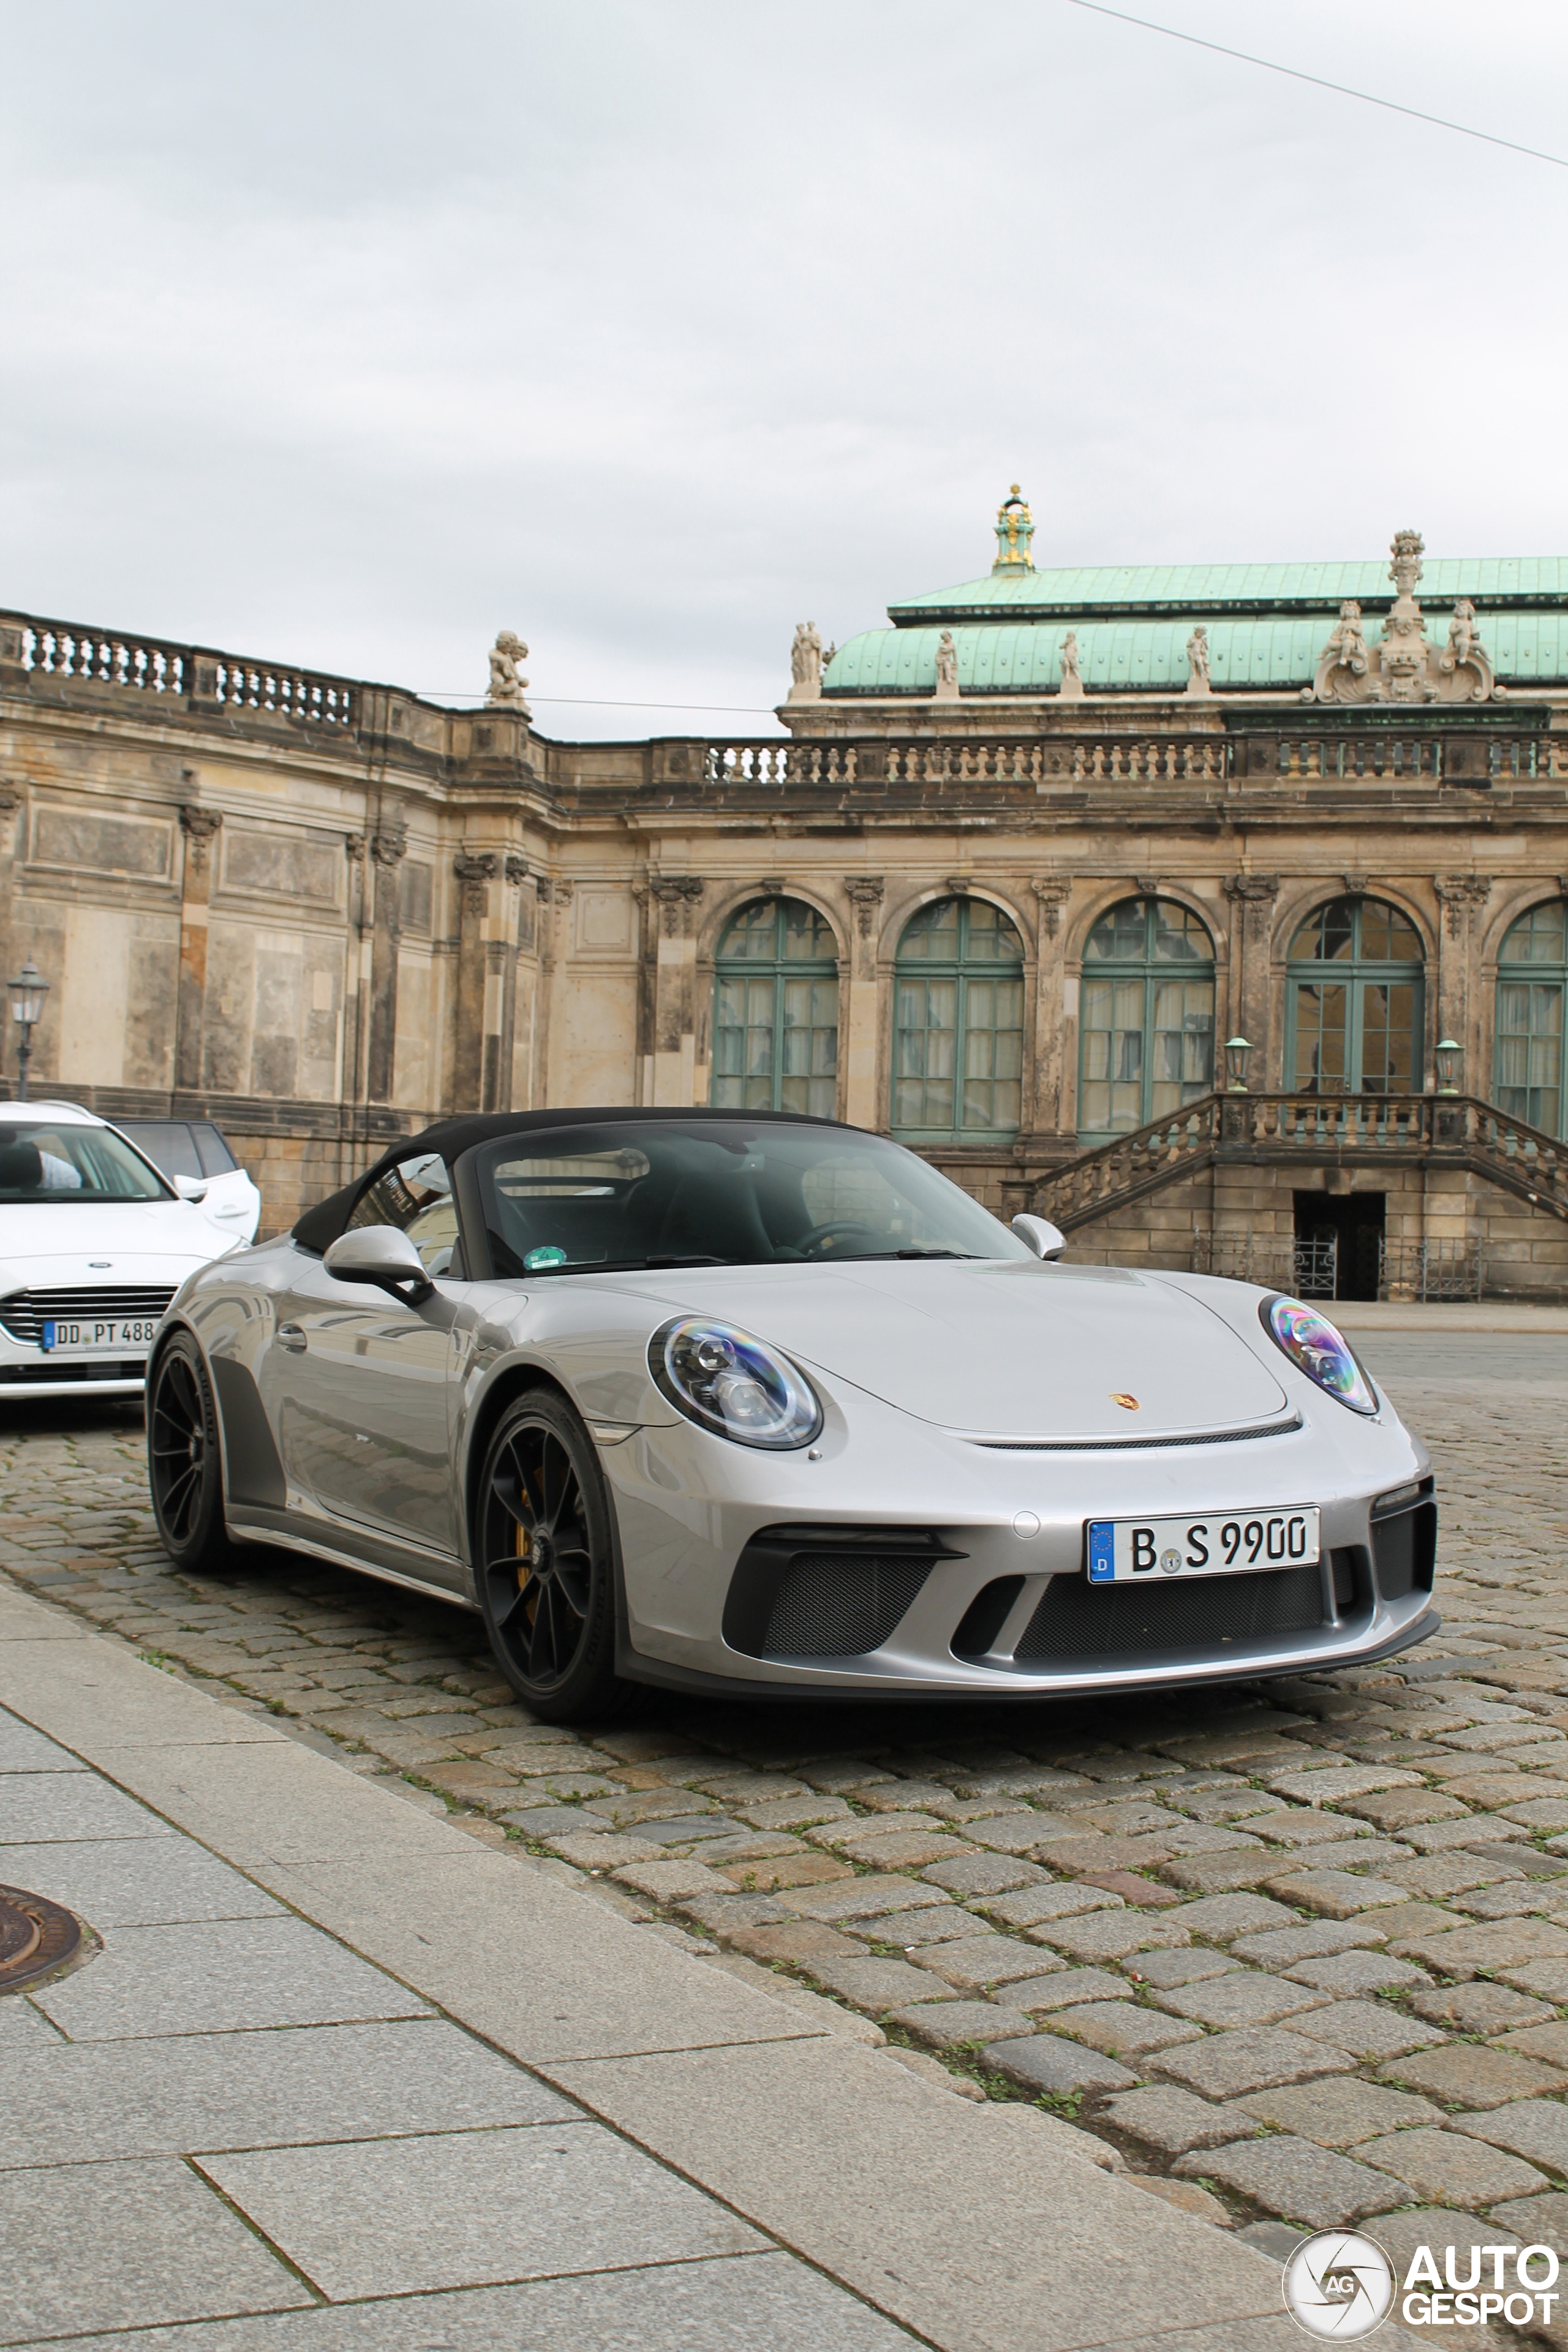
27 993
1448 1051
1237 1050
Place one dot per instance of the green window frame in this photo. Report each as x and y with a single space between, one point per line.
775 1011
1146 1017
1355 1001
1529 1075
958 1026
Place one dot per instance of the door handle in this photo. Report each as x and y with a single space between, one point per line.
291 1337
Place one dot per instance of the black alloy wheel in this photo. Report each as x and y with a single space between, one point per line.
185 1458
545 1572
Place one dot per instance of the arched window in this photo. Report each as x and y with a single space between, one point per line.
1353 1022
1532 980
958 1025
775 1011
1147 1017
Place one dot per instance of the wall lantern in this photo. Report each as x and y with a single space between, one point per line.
27 993
1237 1050
1450 1053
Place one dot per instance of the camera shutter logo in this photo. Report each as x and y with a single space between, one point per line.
1339 2286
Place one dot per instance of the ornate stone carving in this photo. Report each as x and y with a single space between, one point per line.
805 664
475 872
505 692
199 826
1147 885
678 895
946 669
1198 661
389 843
1404 666
515 868
354 848
1356 885
866 894
959 884
1053 891
564 892
1015 529
1071 686
772 885
1460 893
1255 894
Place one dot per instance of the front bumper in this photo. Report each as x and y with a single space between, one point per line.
948 1566
27 1377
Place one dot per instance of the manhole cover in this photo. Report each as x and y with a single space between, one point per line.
36 1935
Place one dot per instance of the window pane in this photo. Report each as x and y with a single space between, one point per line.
931 936
809 1058
752 932
1321 1039
1528 1072
1388 1042
923 1043
1179 936
1385 936
991 938
1327 931
1539 937
807 938
1122 936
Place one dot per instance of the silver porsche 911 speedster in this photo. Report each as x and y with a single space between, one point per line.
764 1404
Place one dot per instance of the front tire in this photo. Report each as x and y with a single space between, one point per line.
185 1459
545 1561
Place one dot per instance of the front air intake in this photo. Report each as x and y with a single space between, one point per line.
813 1593
1081 1624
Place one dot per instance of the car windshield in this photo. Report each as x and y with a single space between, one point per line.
64 1163
602 1198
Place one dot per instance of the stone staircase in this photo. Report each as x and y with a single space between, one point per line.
1449 1130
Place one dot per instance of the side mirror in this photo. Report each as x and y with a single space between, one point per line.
1040 1236
190 1188
382 1256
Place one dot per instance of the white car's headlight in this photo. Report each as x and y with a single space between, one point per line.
730 1383
1315 1348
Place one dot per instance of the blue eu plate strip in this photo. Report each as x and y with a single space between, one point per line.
1101 1551
48 1337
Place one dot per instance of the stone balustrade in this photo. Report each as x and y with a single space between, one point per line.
68 652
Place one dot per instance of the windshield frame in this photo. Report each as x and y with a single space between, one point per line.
469 1182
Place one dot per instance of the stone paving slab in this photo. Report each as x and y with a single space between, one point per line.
409 2215
222 1976
126 2244
109 1882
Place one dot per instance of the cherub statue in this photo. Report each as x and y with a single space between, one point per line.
1198 661
506 682
1069 655
947 662
1463 637
1347 642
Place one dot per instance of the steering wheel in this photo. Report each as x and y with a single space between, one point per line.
819 1234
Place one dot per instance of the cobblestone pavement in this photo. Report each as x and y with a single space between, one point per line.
1299 1951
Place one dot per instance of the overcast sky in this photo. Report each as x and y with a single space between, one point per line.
348 334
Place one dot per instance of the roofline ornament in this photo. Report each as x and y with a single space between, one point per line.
1015 528
1403 664
806 663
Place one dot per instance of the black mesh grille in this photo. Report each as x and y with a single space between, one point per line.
840 1604
24 1312
1078 1620
70 1368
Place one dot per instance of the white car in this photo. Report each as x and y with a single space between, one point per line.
194 1150
94 1242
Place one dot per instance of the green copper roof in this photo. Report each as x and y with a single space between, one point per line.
1156 589
1120 657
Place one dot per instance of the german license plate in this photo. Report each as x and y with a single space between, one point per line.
114 1333
1213 1543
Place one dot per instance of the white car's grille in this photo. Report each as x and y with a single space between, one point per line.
24 1312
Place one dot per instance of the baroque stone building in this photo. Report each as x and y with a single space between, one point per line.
1022 863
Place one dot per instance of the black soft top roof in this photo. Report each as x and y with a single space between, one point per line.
452 1137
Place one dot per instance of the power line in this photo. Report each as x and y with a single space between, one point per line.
1340 89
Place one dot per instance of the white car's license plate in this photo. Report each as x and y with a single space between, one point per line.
87 1337
1214 1543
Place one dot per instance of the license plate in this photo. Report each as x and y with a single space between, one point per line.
1217 1543
87 1339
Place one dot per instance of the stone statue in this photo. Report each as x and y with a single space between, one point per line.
806 663
1071 686
946 669
1198 661
506 681
1340 674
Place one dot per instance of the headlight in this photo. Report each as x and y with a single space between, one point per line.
730 1383
1314 1346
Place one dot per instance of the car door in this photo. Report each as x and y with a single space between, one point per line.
364 1409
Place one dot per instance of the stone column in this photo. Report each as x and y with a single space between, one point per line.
1458 1012
388 846
200 827
1252 897
675 989
514 873
862 1024
1055 1026
475 873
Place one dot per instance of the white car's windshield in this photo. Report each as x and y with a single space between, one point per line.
64 1163
717 1192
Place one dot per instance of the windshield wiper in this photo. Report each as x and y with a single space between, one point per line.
936 1253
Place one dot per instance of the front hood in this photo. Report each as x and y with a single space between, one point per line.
1005 1349
114 1243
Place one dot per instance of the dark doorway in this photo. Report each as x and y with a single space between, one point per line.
1339 1244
